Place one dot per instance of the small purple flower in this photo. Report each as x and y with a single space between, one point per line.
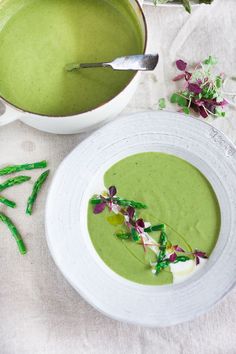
178 249
99 208
181 65
112 191
195 88
223 103
130 212
140 223
199 254
172 257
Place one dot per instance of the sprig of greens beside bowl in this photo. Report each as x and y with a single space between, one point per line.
185 3
31 200
202 90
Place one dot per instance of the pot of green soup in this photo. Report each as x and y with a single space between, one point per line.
38 38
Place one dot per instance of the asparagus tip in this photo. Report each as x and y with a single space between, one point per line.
21 246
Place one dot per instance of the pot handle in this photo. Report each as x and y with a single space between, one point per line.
7 114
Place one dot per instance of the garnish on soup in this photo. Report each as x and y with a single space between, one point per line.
136 230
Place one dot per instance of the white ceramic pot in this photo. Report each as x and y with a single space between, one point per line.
83 121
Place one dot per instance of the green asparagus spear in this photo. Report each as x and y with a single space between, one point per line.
17 168
120 201
162 265
163 244
181 259
15 233
13 181
125 202
123 235
126 235
36 188
159 227
7 202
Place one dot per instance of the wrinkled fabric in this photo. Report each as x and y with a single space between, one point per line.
40 312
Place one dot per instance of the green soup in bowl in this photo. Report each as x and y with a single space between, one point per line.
38 38
175 194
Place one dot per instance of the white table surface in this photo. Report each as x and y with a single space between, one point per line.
39 312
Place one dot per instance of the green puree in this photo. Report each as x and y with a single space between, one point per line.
38 38
176 193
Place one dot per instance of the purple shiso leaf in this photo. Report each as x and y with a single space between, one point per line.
200 254
130 212
199 81
179 77
99 208
140 223
223 103
195 88
112 191
203 112
213 102
173 257
178 249
181 65
209 106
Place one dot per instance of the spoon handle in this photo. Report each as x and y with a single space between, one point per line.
143 62
72 67
94 65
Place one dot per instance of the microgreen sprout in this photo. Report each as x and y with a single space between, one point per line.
202 90
162 103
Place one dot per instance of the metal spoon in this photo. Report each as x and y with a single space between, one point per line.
146 62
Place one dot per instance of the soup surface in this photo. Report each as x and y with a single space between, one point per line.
176 194
38 38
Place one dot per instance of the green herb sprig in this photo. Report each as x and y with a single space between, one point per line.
202 90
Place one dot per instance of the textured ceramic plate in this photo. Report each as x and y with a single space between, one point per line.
66 218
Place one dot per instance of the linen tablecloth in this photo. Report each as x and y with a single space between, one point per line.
40 313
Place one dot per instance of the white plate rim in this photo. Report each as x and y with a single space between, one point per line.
222 145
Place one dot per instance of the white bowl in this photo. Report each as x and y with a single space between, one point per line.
79 122
66 218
